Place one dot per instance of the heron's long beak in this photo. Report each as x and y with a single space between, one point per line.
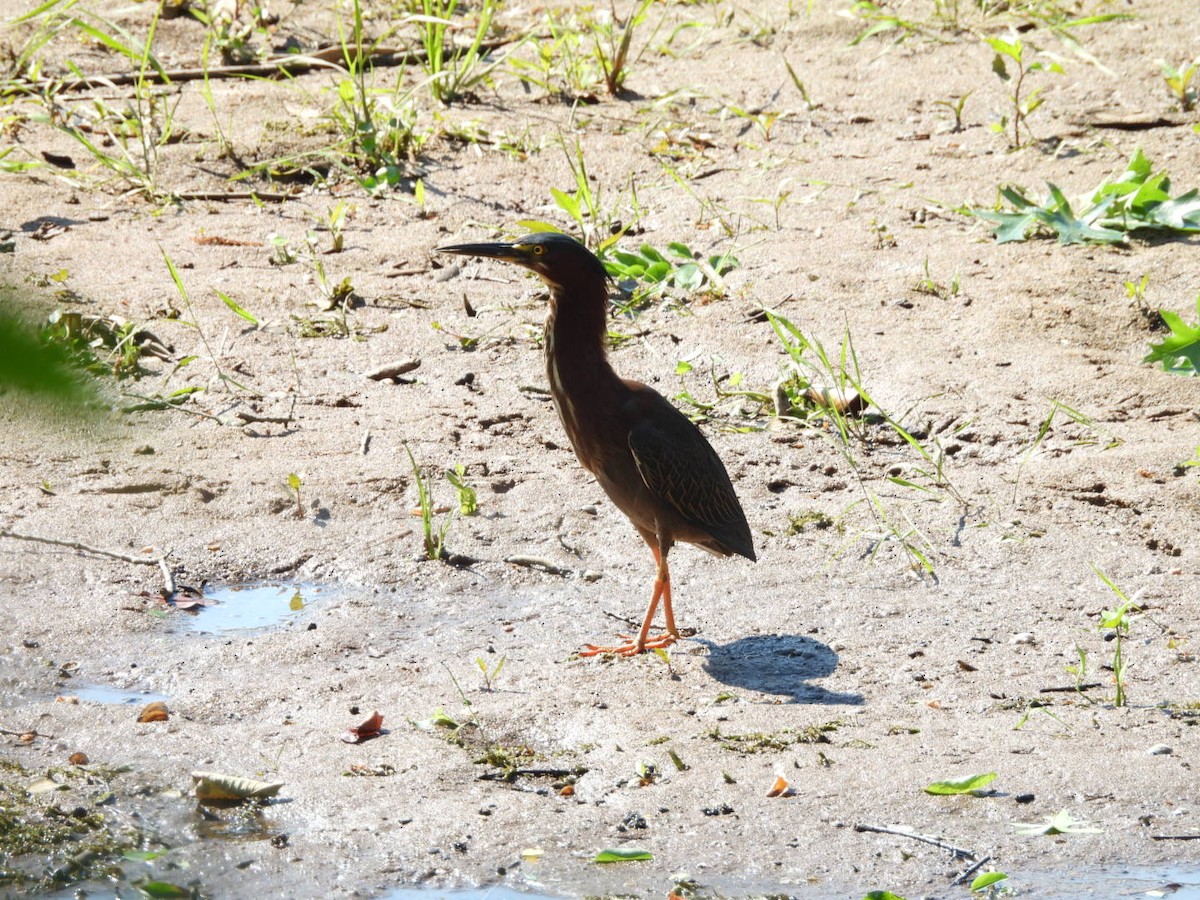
513 253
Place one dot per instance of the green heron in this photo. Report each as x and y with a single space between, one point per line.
649 458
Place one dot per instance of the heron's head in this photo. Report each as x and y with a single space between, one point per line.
561 261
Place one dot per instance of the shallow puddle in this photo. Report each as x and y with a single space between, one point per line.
88 692
255 606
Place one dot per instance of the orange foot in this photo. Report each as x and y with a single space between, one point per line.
631 647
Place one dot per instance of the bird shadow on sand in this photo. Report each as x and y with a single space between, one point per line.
780 664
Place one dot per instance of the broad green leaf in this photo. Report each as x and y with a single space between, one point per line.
1061 822
1073 230
612 856
966 785
1180 214
882 895
658 271
688 277
142 855
987 879
162 889
568 203
1183 342
537 225
1009 226
651 254
724 262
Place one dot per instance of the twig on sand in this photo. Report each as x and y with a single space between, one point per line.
971 870
287 65
901 831
160 561
537 562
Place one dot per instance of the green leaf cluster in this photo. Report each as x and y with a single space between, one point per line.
679 267
1139 199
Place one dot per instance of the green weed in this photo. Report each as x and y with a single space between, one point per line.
1179 83
612 41
1138 200
1178 353
647 273
452 71
433 531
1022 101
1117 622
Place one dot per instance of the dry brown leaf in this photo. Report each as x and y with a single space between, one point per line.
568 790
371 728
78 759
67 698
154 712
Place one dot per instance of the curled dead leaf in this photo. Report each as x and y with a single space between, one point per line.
845 401
568 790
215 787
67 698
78 759
371 728
781 788
154 712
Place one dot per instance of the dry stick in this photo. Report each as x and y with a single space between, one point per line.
280 65
160 561
219 196
901 832
971 870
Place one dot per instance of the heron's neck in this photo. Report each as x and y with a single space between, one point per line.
582 382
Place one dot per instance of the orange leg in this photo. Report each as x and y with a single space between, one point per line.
662 591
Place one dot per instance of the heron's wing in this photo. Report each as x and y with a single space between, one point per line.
679 467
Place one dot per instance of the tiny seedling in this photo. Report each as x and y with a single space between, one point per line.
490 673
293 484
282 253
468 499
1117 622
1179 83
928 285
334 221
1079 671
955 105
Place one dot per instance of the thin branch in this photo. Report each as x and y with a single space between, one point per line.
291 64
160 561
971 870
900 831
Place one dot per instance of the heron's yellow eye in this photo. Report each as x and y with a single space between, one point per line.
538 249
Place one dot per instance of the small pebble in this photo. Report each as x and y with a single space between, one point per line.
1025 637
1160 750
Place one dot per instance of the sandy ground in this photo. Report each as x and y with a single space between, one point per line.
863 678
